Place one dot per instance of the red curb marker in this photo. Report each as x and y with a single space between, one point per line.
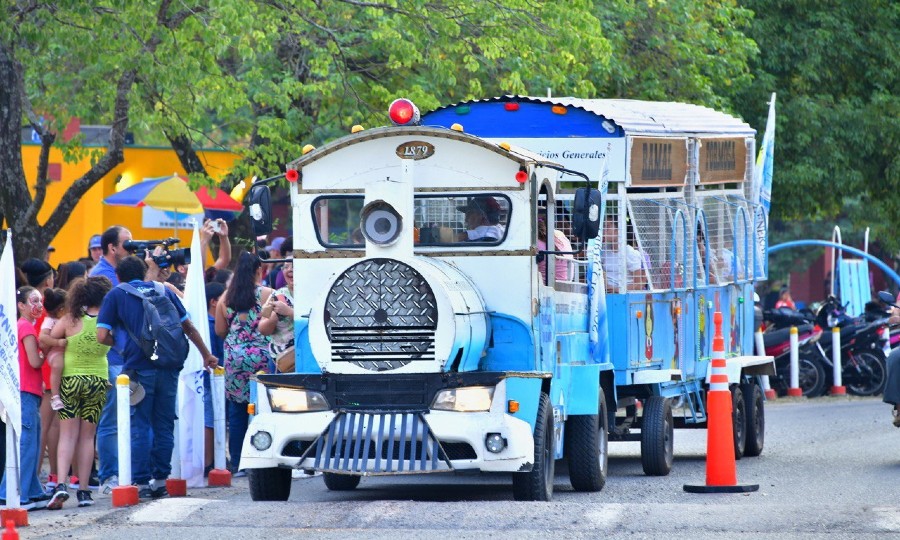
124 496
177 487
18 517
795 392
838 390
771 394
10 532
219 478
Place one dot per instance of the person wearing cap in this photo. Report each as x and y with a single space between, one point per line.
274 248
112 251
95 248
482 220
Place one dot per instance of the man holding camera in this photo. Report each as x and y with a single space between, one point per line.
112 242
153 417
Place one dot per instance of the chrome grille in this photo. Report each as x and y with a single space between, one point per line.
380 315
378 443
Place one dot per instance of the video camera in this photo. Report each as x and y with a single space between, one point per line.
168 257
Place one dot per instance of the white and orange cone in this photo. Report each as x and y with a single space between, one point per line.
721 467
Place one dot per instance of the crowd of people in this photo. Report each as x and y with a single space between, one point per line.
76 334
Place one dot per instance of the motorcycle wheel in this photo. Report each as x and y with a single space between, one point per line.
867 375
811 376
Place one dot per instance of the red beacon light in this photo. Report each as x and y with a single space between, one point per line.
521 176
292 175
403 112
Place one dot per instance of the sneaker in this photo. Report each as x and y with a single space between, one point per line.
107 486
50 484
60 496
152 491
41 502
94 482
84 498
239 474
896 413
56 403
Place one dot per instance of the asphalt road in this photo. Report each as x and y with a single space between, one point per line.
830 469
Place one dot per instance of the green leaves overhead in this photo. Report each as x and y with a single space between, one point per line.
837 73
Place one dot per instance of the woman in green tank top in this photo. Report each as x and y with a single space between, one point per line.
84 384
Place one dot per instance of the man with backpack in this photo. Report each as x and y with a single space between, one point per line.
156 324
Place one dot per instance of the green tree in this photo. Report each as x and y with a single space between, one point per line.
695 51
836 70
66 59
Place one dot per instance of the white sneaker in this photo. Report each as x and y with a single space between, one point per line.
107 486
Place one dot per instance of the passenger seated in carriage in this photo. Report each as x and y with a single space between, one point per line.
560 243
618 273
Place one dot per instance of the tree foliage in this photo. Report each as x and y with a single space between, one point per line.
264 77
836 70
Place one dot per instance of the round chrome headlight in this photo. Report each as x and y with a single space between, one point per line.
381 224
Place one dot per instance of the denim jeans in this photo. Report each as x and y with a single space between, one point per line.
29 448
238 420
153 426
107 431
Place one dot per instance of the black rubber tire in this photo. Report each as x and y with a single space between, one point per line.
738 421
587 447
537 484
657 436
811 376
869 378
754 406
341 482
272 484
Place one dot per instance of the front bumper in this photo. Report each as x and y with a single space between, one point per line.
386 442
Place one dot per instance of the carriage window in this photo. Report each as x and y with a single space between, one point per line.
438 220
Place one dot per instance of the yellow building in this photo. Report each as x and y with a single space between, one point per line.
91 216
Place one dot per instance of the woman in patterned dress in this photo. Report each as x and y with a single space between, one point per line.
246 349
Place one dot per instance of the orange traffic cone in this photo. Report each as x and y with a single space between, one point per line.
721 469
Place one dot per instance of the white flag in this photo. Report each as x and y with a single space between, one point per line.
190 380
10 398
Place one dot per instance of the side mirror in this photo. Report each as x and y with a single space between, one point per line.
887 298
586 213
259 203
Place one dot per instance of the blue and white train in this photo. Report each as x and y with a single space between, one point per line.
452 312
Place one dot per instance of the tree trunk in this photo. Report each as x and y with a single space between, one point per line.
15 198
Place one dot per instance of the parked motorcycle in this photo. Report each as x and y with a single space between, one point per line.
863 343
812 378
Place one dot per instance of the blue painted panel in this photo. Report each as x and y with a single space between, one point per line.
584 390
617 319
492 120
513 345
528 393
303 356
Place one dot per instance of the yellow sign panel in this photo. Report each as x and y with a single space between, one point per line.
722 160
658 161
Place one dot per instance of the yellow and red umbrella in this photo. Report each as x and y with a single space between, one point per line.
172 194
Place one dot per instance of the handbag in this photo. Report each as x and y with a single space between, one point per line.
284 361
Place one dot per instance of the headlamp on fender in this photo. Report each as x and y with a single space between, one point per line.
465 399
296 400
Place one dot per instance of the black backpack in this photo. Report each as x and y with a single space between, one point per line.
161 338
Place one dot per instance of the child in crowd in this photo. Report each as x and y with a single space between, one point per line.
54 307
29 303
